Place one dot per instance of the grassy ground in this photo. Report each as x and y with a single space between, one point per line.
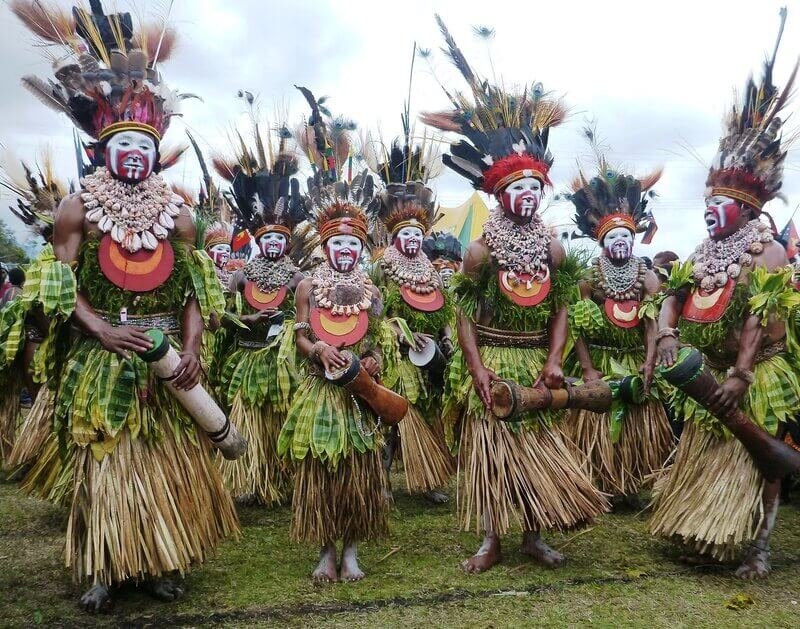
616 576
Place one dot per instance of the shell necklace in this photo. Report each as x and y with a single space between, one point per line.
342 293
619 283
136 216
269 275
518 248
417 273
717 261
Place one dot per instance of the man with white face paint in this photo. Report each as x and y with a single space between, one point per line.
125 248
512 324
338 481
723 303
217 244
614 327
413 292
258 374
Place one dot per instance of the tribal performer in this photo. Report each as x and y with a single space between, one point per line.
614 325
412 290
258 376
148 498
23 323
726 301
444 251
513 295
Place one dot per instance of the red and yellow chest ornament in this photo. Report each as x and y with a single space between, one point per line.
623 314
339 330
261 300
524 289
704 306
139 272
425 302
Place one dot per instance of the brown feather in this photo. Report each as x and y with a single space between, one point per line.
150 34
48 22
170 156
650 180
224 168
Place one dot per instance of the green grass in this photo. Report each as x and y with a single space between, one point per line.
616 576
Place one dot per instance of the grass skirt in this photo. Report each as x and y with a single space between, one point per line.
260 471
427 463
530 475
146 509
10 414
710 500
346 503
36 430
620 468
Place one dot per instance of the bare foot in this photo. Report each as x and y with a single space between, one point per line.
350 570
534 545
388 496
325 571
755 566
96 600
698 559
436 497
164 589
246 500
487 556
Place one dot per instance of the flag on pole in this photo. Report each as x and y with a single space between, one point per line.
790 239
651 230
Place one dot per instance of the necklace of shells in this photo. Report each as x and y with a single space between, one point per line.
619 283
325 282
270 275
136 216
417 273
717 261
518 248
224 277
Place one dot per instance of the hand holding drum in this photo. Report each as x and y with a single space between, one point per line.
163 359
773 457
386 404
509 399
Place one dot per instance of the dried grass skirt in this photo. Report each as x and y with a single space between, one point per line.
260 471
346 503
620 469
530 476
427 463
146 509
711 499
36 430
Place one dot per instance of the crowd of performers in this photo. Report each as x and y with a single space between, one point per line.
172 380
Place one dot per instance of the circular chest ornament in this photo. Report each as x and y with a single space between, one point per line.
523 289
623 314
425 302
339 330
139 272
261 300
708 306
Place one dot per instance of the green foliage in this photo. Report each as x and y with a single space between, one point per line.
10 249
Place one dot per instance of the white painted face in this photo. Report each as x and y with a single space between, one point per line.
618 243
343 252
272 245
131 155
522 197
721 215
408 241
220 254
445 273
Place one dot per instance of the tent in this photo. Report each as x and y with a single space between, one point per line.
465 221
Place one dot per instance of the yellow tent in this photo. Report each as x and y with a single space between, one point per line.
465 221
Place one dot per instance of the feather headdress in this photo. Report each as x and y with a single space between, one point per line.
105 70
506 133
748 166
610 198
38 192
442 246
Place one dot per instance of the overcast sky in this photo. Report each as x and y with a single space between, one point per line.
656 77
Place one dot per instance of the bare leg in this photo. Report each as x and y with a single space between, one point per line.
488 554
756 562
389 450
325 571
534 545
436 497
166 589
350 569
97 599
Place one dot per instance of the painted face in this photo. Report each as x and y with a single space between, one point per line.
722 216
618 243
272 245
408 241
220 254
131 156
343 252
521 197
